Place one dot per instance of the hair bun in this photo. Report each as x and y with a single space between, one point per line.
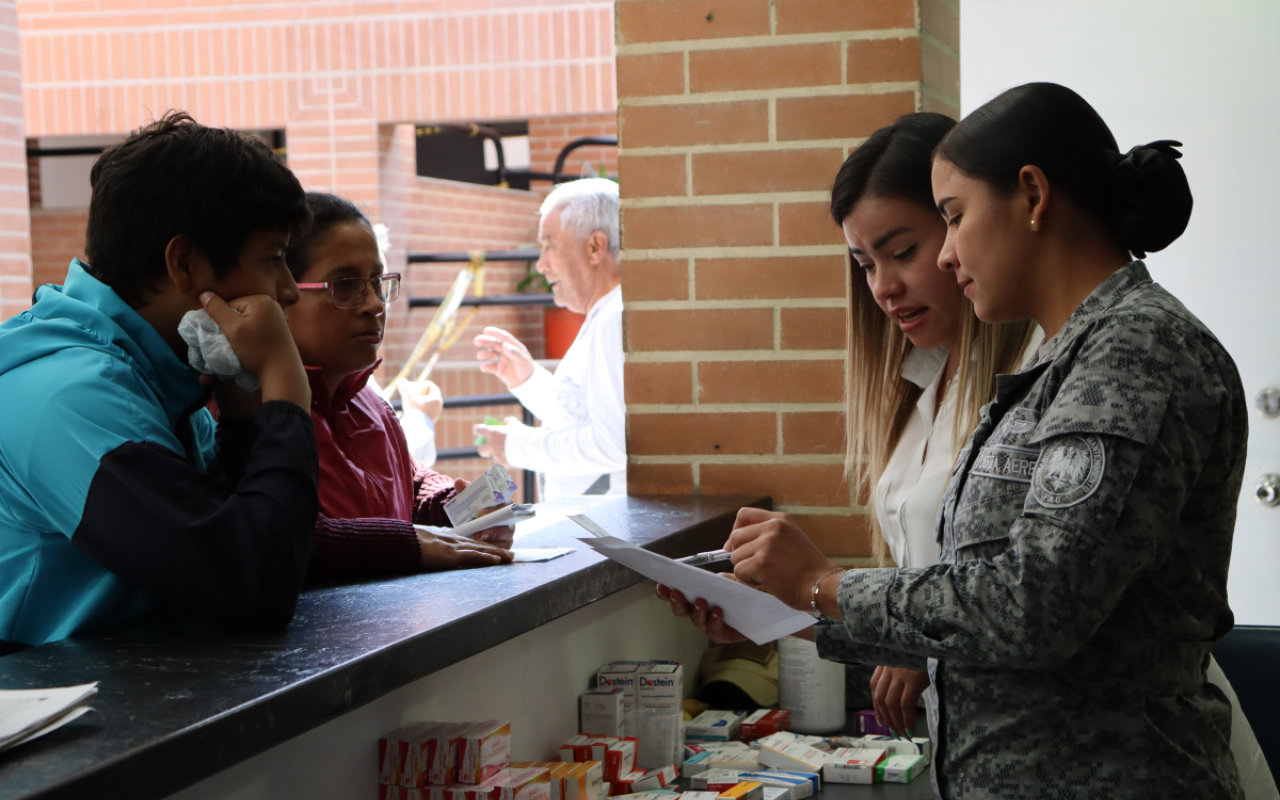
1151 200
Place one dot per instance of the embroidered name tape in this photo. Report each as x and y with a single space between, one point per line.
1006 463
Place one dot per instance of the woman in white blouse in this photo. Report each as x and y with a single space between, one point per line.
912 402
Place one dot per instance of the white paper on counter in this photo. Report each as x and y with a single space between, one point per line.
760 617
527 555
25 713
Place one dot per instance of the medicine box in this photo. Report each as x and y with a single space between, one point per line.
584 781
618 755
445 749
659 778
624 675
623 784
484 750
747 790
743 760
578 748
714 777
715 725
389 758
776 792
797 788
601 712
793 756
699 795
900 769
764 722
494 488
896 747
424 748
814 778
853 765
720 781
661 686
700 756
521 784
865 723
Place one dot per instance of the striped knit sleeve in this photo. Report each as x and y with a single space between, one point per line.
431 491
346 549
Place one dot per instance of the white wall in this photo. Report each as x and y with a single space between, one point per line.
533 680
64 180
1207 74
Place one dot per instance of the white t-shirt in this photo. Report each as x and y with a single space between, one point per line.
582 443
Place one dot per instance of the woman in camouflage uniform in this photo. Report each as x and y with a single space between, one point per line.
1086 529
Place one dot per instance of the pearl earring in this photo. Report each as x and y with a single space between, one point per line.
1035 226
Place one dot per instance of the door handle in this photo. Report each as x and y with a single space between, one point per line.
1268 402
1267 490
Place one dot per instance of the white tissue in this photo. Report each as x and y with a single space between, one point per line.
208 350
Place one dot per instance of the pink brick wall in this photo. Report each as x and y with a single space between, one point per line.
106 67
57 236
15 238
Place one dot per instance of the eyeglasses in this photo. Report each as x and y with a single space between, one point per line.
350 292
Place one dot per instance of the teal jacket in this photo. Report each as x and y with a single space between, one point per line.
117 489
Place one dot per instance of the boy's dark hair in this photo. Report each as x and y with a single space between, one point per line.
895 161
175 176
1142 196
326 211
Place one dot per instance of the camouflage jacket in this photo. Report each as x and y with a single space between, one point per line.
1086 532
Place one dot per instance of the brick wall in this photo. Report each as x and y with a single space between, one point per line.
548 135
15 238
105 67
734 116
57 236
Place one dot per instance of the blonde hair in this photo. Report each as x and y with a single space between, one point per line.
879 400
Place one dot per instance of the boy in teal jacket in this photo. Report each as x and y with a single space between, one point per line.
117 490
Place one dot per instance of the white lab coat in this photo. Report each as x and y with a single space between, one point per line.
583 435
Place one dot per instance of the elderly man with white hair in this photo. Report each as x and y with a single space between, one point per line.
581 446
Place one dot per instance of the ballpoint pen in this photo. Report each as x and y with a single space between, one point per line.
703 559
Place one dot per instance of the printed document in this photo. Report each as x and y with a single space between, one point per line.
758 616
28 713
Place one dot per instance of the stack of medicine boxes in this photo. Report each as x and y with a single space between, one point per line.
455 761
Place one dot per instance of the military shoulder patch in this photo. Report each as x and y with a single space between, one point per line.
1069 470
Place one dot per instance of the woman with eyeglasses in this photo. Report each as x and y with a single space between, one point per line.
380 511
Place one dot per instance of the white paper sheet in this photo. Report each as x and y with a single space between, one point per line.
760 617
527 555
24 712
71 716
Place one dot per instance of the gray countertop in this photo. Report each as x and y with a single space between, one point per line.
178 703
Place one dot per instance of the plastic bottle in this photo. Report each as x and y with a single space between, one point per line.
810 688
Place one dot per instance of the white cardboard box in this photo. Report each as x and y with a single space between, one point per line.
601 712
661 686
792 756
624 675
853 765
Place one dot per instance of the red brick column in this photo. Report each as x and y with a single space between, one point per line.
15 214
734 116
